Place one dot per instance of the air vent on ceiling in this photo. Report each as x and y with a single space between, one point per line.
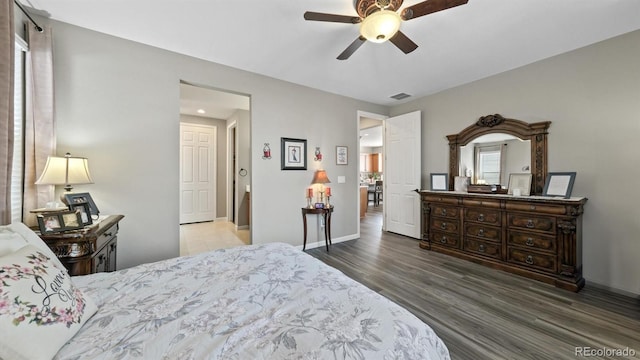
400 96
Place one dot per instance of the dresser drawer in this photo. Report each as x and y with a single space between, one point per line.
444 211
485 216
446 239
539 208
483 231
480 247
444 224
532 259
470 202
539 223
530 240
441 199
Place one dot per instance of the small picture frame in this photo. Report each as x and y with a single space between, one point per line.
461 183
559 184
84 210
78 198
342 155
439 181
319 205
293 154
61 221
521 183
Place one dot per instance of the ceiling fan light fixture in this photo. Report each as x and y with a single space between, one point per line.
380 26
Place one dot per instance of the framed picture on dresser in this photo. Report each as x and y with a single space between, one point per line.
80 198
559 184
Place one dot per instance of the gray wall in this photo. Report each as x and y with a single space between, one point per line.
592 97
117 103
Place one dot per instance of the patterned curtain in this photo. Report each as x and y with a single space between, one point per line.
7 47
40 126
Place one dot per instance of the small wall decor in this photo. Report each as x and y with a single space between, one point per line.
266 152
342 155
293 154
317 154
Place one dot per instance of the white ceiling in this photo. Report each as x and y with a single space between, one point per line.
456 46
203 102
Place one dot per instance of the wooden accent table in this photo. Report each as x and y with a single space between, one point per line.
326 214
88 250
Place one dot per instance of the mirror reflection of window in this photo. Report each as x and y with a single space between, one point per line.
488 164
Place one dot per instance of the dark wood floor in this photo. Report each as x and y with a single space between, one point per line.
482 313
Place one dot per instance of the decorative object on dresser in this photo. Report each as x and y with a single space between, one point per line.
439 181
59 221
559 184
537 237
519 184
88 250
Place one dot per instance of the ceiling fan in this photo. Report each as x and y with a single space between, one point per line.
380 22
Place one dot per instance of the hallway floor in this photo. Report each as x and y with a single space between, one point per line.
202 237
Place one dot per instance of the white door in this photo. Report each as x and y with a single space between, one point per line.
197 173
402 144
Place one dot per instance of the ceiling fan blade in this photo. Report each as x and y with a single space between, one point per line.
351 48
315 16
429 7
403 42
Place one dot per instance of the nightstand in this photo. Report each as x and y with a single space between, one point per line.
88 250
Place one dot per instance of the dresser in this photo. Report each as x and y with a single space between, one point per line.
537 237
89 250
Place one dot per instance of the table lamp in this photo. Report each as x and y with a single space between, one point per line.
65 171
320 177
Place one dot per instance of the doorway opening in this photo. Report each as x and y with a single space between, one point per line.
371 170
214 146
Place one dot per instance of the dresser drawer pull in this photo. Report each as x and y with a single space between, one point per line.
443 226
481 233
530 224
529 260
108 234
529 242
443 240
444 212
482 248
481 217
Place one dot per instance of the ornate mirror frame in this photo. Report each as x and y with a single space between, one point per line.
535 132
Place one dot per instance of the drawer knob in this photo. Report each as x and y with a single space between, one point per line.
481 217
443 226
482 248
529 260
529 242
443 240
533 207
444 212
530 224
481 233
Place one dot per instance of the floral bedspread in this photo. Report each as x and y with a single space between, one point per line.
267 301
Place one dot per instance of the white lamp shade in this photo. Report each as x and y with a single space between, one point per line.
65 171
380 26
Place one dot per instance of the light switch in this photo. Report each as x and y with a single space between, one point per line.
342 179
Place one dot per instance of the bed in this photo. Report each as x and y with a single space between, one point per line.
268 301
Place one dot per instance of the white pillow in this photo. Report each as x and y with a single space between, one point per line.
40 308
10 241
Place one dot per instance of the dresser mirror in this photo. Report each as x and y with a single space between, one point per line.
521 147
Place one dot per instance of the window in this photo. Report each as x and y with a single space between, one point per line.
17 171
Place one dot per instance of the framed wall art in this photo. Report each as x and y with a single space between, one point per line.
342 155
293 154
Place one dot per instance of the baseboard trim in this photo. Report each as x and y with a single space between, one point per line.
313 245
613 290
224 218
242 227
